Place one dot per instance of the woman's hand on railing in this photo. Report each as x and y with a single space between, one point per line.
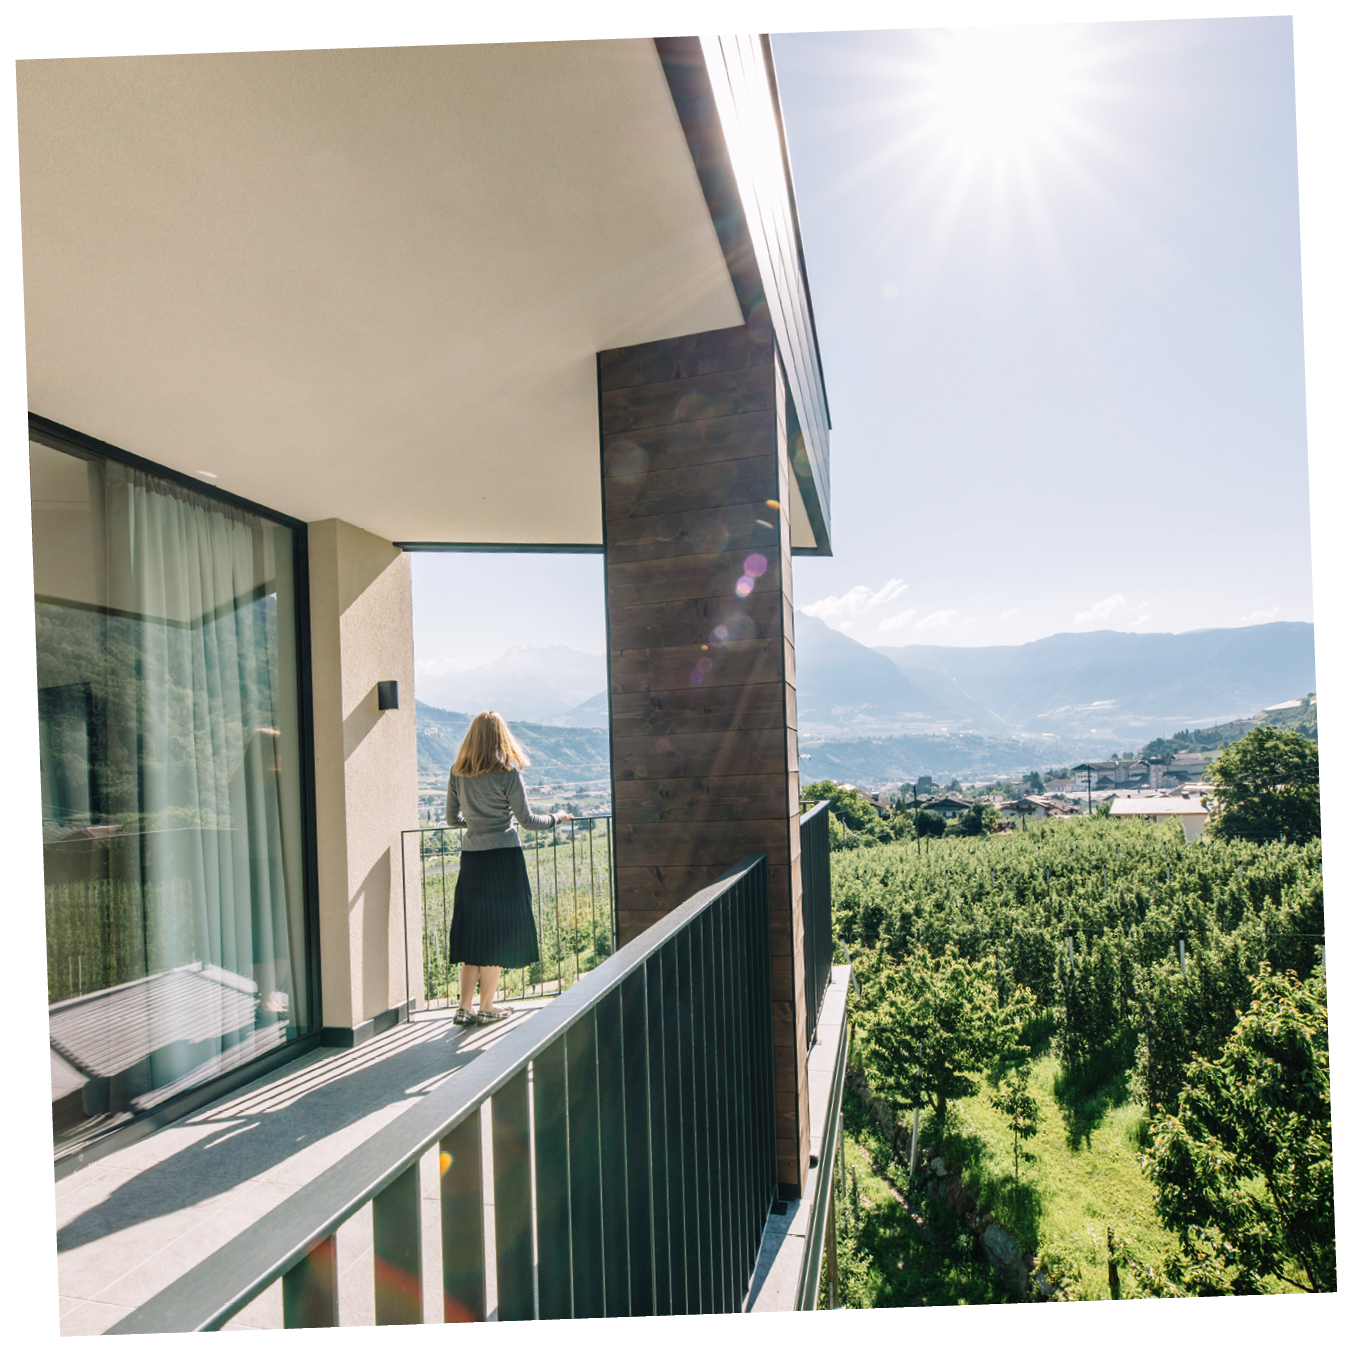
563 818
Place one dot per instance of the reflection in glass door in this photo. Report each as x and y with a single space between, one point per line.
171 787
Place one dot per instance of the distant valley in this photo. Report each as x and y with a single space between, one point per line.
890 713
1105 685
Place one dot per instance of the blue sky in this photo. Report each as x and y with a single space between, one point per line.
1057 287
1062 333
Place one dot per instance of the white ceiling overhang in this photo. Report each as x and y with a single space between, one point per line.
362 284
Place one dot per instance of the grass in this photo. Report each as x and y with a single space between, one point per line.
891 1254
1079 1175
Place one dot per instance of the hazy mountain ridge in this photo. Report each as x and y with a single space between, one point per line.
593 713
1200 675
530 682
903 757
843 684
559 753
888 713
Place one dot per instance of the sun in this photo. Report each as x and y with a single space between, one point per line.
998 93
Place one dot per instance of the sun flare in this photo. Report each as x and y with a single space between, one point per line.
999 92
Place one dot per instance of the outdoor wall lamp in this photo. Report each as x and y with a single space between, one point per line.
387 695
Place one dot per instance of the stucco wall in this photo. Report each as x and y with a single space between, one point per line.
361 623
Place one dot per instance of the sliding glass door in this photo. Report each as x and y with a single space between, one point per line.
171 786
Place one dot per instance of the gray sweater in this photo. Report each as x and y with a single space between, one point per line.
486 807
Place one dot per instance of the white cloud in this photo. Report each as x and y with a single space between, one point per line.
845 605
1140 620
856 602
888 592
937 618
1104 608
889 291
897 622
1014 611
1260 617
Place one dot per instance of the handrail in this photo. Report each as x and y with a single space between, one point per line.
286 1241
816 880
806 1292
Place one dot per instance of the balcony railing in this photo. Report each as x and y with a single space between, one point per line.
572 898
633 1153
816 877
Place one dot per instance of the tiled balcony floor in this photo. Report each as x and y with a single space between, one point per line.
132 1222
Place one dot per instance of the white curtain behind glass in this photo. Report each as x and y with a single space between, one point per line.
194 746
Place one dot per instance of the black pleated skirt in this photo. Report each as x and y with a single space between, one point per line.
491 921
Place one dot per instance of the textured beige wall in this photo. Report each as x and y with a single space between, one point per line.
366 786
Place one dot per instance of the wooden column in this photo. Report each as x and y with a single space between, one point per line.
701 650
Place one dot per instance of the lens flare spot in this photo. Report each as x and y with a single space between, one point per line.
697 677
444 1163
755 565
744 585
704 664
662 745
719 634
771 503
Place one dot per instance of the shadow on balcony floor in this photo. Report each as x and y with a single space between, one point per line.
131 1222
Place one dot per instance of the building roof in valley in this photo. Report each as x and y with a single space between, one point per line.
1032 803
1144 806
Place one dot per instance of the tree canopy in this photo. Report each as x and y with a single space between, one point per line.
853 821
1269 786
848 804
1013 1101
978 820
930 824
929 1022
1243 1169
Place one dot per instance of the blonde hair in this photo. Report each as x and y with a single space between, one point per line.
488 746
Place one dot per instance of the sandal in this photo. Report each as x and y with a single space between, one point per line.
492 1017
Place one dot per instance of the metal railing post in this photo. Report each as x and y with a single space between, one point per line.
612 1123
510 1115
585 1168
639 1184
681 1125
665 1202
554 1238
310 1288
397 1241
462 1200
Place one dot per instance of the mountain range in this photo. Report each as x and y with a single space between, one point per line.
926 707
1096 685
1109 683
576 755
528 682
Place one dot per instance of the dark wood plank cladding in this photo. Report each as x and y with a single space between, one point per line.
695 481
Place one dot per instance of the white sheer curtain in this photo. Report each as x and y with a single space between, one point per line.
201 777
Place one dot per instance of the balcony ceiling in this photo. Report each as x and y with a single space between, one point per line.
361 284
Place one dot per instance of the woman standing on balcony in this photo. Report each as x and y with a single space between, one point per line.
491 922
